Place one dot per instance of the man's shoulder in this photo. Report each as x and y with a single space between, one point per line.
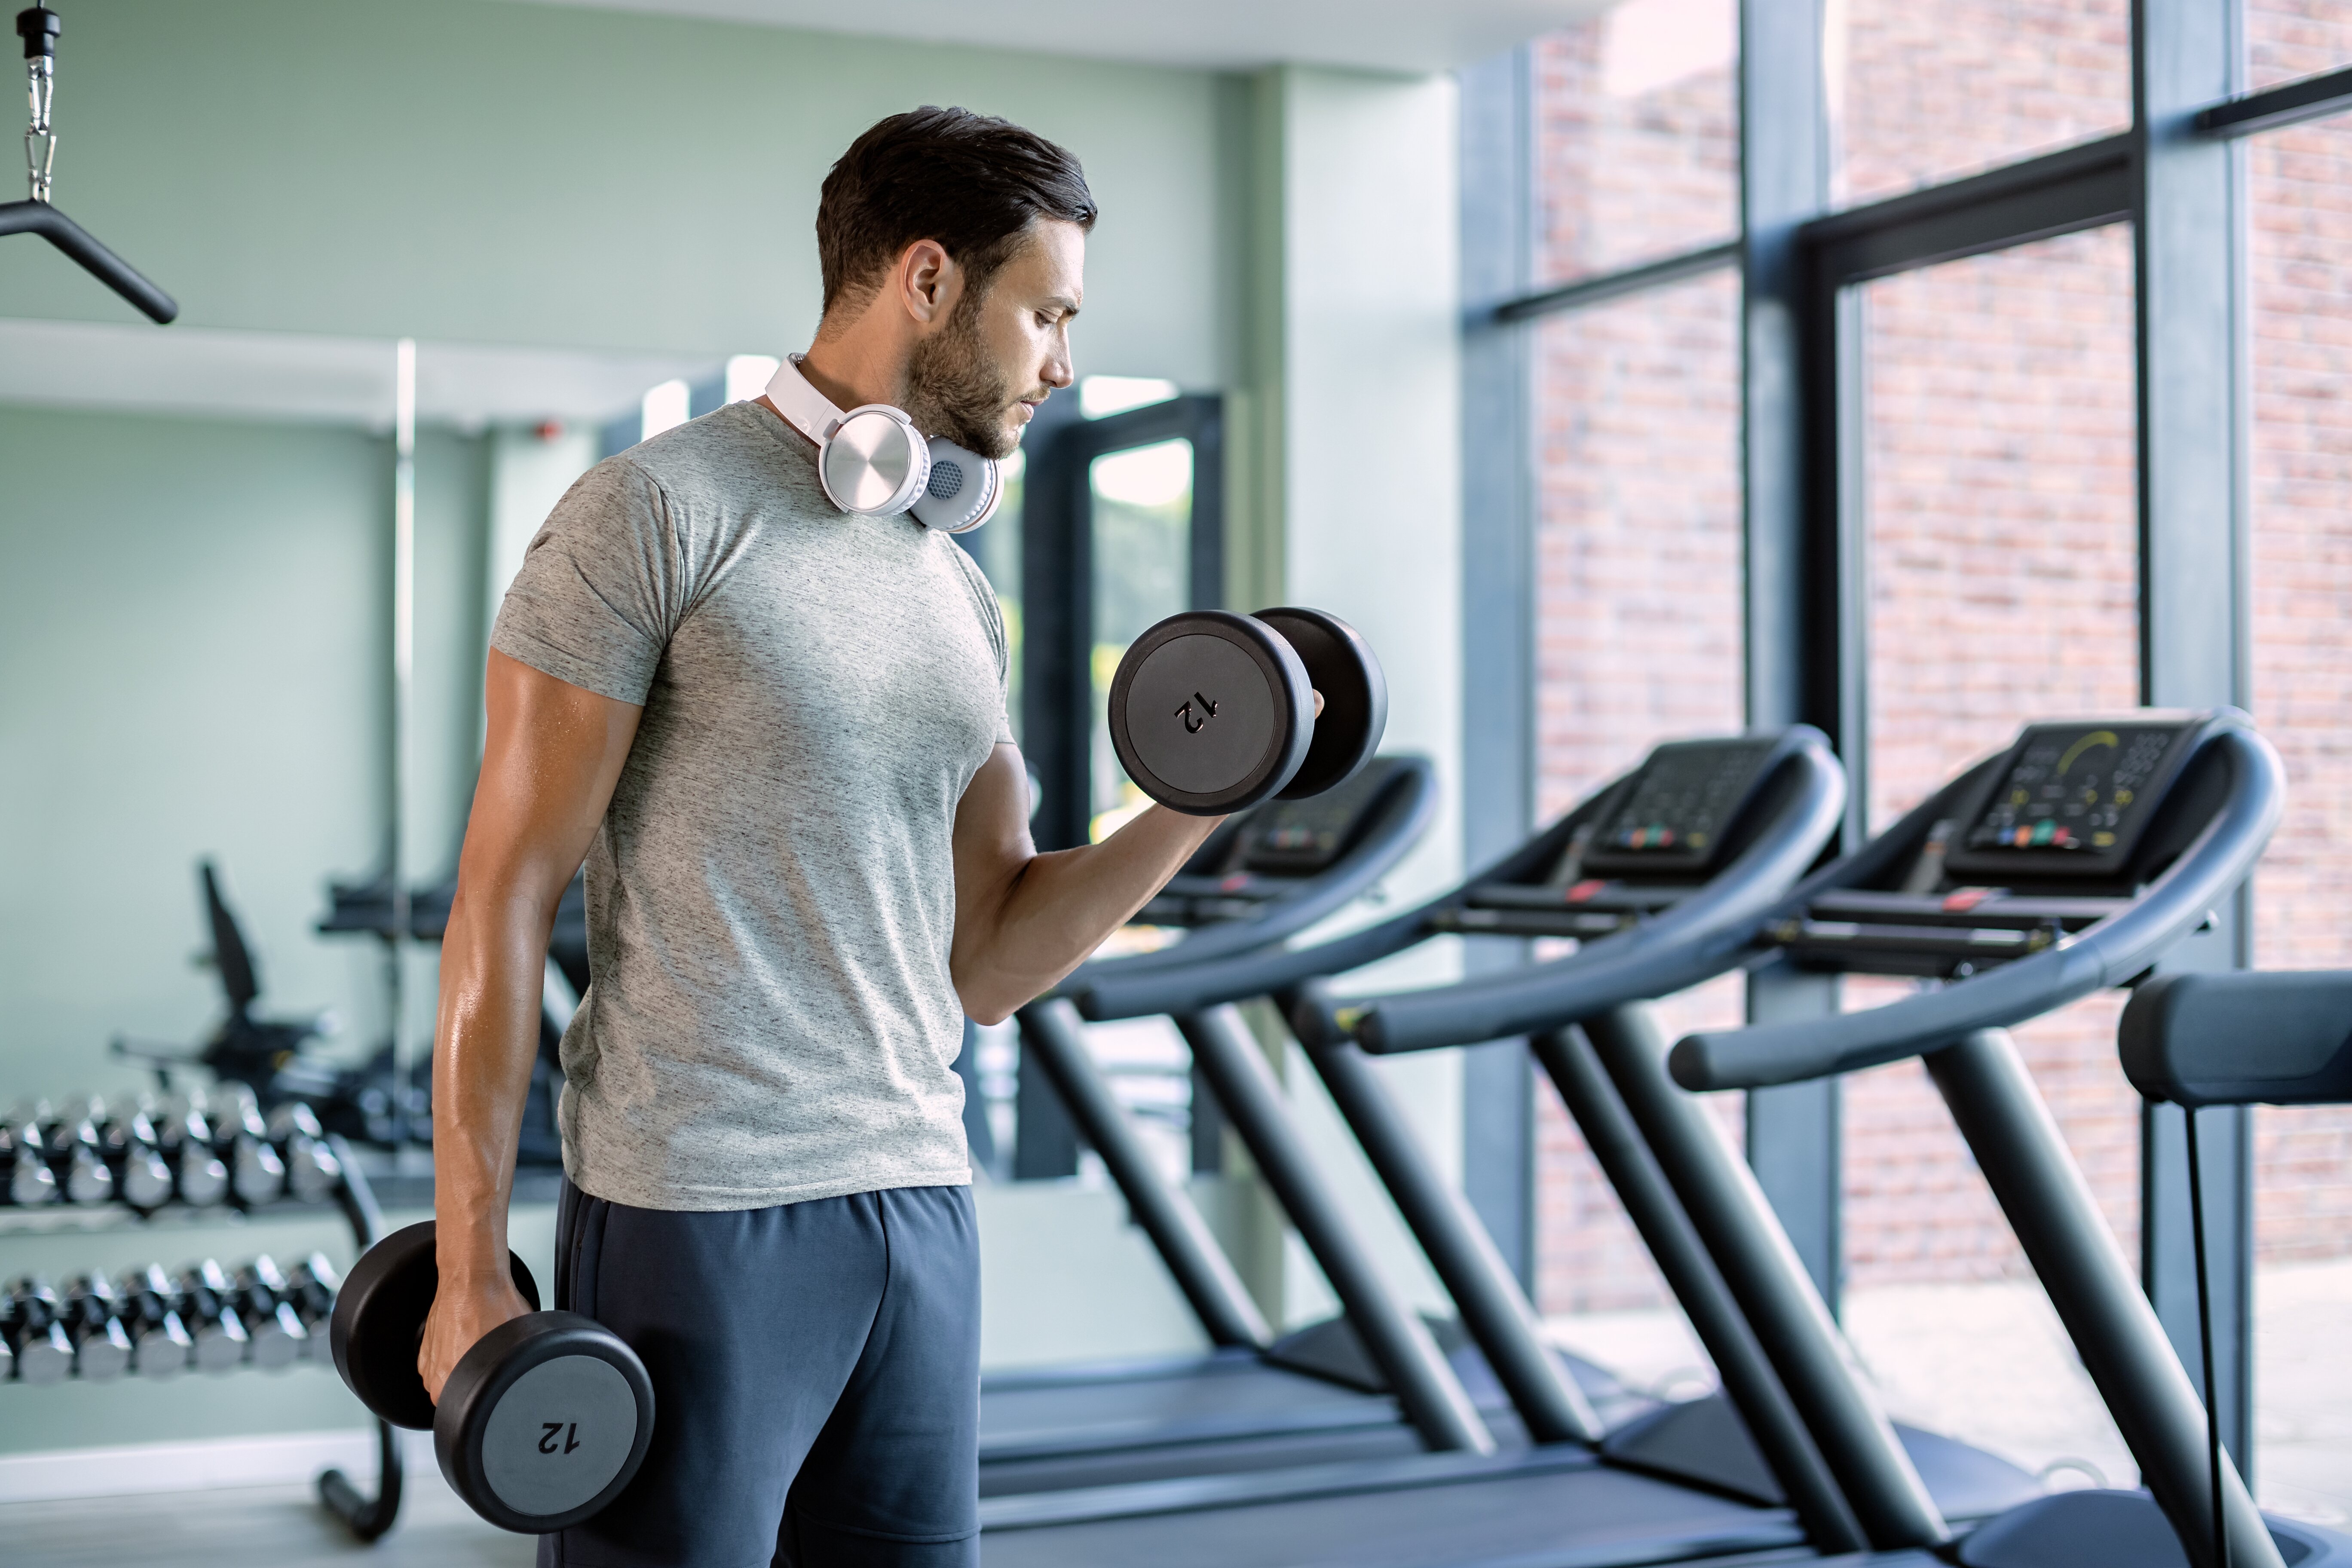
717 456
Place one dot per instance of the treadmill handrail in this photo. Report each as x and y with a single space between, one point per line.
1701 936
1408 808
2107 954
2243 1037
1189 987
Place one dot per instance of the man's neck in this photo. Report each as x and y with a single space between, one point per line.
859 366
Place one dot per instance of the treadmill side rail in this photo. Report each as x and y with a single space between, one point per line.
1054 1039
1761 1267
2042 1192
1398 1340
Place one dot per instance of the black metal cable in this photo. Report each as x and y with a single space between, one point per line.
2205 1339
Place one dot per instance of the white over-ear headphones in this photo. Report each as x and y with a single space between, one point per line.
873 462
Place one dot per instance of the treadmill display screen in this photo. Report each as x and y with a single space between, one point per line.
1672 818
2075 794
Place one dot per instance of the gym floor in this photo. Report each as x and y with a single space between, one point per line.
1984 1361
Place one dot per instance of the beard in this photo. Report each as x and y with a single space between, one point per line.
954 389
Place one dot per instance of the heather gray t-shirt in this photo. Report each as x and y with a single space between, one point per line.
772 894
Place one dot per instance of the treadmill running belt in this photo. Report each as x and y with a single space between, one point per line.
1208 1400
1580 1518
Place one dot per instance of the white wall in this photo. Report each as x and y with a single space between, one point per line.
1345 494
1370 481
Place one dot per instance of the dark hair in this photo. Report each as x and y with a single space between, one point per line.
971 182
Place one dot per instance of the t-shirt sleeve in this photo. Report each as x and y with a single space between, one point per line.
600 590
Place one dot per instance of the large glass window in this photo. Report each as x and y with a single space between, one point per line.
2291 39
2301 262
2001 566
1638 574
1143 554
1636 136
1920 94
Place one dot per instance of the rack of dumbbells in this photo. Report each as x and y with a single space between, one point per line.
91 1163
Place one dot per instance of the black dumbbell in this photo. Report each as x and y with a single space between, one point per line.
93 1320
1212 712
542 1422
160 1345
31 1324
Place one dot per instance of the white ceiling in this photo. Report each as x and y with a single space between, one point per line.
312 379
1379 35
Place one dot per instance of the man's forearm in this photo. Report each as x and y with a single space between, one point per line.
1060 906
493 958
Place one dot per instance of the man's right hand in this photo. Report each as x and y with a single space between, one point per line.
462 1313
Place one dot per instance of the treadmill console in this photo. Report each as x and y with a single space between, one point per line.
1271 852
1301 837
1637 848
1672 818
2071 799
2047 842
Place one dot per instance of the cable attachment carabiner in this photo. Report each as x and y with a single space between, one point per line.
40 29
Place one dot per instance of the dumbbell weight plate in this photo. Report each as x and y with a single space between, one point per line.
1342 667
543 1422
1211 713
379 1319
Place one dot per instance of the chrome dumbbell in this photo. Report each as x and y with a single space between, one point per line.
31 1324
93 1320
160 1345
30 1183
206 1306
260 1294
312 1172
132 1147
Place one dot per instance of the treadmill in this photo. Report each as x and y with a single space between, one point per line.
2074 861
1258 880
1667 874
2195 1041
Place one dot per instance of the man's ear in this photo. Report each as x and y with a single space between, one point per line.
927 277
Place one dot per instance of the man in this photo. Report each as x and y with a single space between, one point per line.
776 731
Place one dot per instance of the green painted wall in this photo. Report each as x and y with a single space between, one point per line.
191 619
530 173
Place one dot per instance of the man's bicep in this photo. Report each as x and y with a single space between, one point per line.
551 754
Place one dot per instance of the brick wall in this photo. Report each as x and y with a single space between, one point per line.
2300 254
2003 574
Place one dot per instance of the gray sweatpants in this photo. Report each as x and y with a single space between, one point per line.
816 1380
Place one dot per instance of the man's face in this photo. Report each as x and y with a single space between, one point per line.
978 378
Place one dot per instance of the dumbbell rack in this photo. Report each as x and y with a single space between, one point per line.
368 1517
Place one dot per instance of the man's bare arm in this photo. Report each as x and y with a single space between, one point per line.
1025 920
550 760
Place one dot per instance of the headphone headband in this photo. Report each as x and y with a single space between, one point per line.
805 409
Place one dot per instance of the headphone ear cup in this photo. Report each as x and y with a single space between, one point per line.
876 463
963 491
